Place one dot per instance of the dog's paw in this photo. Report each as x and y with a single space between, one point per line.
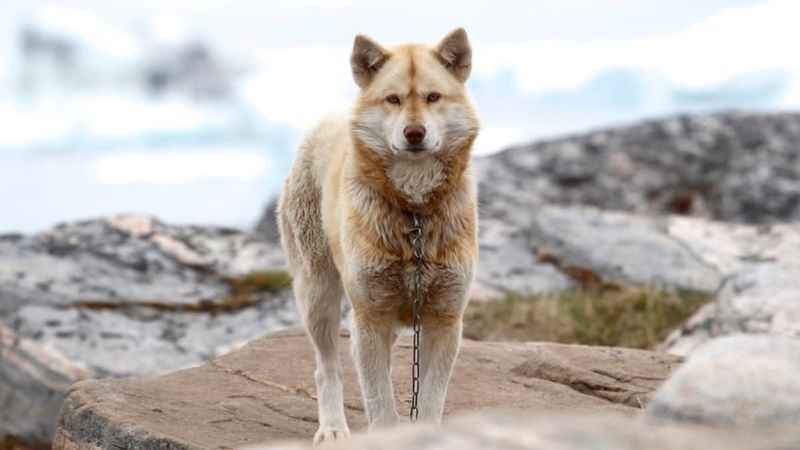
331 433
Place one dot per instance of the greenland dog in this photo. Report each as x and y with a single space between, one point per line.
345 215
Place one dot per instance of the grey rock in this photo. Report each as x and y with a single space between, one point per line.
735 380
35 379
94 261
733 166
267 225
762 298
225 251
551 249
145 341
509 263
620 248
760 292
121 296
729 247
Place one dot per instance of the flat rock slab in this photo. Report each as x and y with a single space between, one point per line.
554 431
264 392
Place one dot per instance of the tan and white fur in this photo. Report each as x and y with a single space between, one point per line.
345 218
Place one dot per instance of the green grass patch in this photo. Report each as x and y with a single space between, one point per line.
624 316
266 280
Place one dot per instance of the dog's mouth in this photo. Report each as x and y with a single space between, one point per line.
414 149
409 148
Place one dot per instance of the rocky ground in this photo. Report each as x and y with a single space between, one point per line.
531 396
708 203
265 391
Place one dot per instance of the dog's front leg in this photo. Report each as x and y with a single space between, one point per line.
372 340
440 340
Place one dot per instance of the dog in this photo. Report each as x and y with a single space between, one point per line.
345 215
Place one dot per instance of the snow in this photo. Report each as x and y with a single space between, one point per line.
99 143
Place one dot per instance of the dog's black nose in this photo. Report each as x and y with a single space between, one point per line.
414 134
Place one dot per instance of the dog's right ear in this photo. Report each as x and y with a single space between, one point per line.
367 58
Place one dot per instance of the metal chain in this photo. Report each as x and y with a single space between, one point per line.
417 253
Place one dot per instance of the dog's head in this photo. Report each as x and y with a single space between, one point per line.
413 101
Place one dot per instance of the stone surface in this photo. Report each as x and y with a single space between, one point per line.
734 167
548 431
265 392
121 296
735 380
620 248
555 248
267 225
510 263
738 167
34 381
761 289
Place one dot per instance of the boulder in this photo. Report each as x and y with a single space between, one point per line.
35 379
733 167
552 248
122 296
760 292
739 167
618 247
265 392
509 262
734 381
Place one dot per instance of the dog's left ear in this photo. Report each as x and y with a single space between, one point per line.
455 53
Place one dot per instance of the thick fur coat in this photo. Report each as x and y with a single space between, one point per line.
345 218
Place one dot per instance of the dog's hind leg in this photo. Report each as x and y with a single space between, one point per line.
318 290
372 340
319 300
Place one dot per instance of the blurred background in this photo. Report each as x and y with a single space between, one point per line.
190 111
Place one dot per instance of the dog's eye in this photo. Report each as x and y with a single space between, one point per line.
393 99
434 96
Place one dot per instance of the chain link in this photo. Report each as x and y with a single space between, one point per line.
417 253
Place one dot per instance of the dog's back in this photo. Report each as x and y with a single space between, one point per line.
299 206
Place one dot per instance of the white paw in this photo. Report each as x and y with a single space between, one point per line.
331 433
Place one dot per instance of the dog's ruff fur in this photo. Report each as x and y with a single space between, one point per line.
344 216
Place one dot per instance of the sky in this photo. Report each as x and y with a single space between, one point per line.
541 68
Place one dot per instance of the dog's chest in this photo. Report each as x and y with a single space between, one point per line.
379 268
416 179
389 286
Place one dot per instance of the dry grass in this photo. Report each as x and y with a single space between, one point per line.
267 280
624 316
244 292
8 442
